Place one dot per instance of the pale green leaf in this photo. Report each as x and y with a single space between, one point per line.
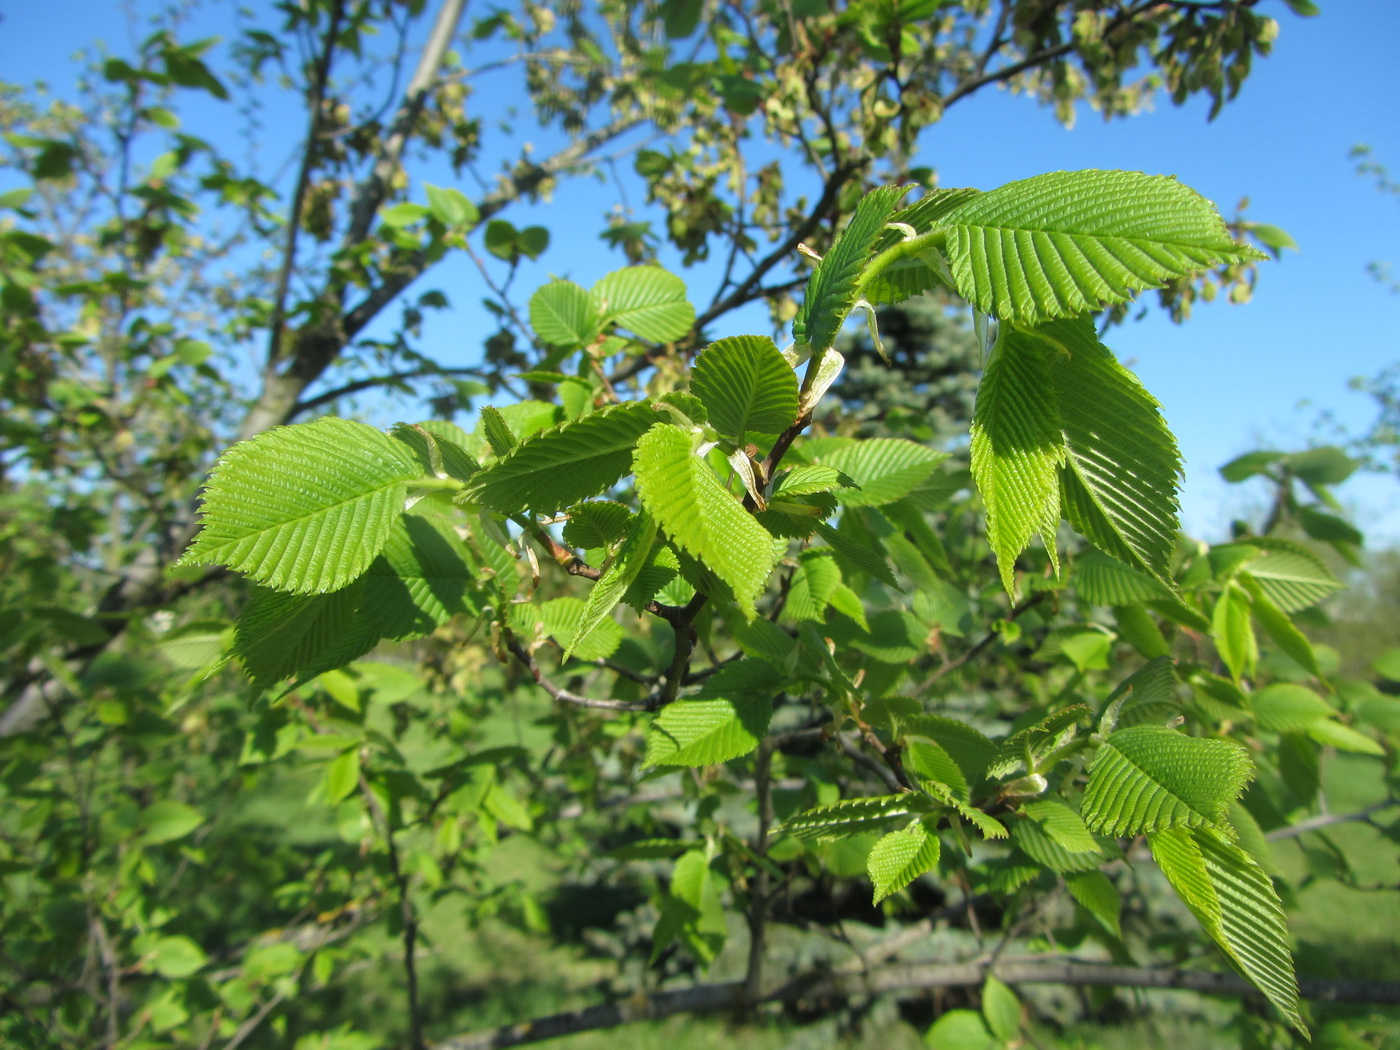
342 776
831 288
1098 896
1069 242
1282 630
854 816
1035 841
304 508
699 515
746 385
959 1030
632 558
647 301
1062 824
559 619
816 577
883 469
1107 581
565 315
175 957
1148 778
1122 467
441 448
451 207
913 275
1290 575
1344 738
899 858
809 480
166 820
864 557
726 719
1001 1009
569 463
968 747
1234 901
597 523
928 760
1287 708
1233 631
1018 448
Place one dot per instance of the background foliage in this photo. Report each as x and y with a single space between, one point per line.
369 857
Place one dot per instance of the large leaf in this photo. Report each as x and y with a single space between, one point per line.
564 465
1234 900
1122 465
899 858
421 580
681 492
745 385
1018 448
563 314
1148 778
1068 243
647 301
831 289
304 508
281 635
725 720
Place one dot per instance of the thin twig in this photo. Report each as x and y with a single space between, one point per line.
563 696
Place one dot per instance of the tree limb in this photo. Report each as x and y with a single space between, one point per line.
729 995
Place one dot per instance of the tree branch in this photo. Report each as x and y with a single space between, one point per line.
311 403
563 696
728 995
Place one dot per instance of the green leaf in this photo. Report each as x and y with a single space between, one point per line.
1069 242
1242 468
166 820
746 385
1287 708
831 288
1148 778
1098 896
1290 575
632 557
1102 580
1233 631
1064 826
175 957
597 523
1344 738
698 514
867 558
569 463
1035 841
304 508
959 1030
817 576
1122 465
451 207
972 751
725 720
1327 465
342 776
928 760
1234 900
281 635
1018 448
422 579
854 816
559 618
899 858
1002 1009
565 315
1282 630
884 470
647 301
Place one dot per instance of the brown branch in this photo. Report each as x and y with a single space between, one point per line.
1328 820
312 403
710 998
563 696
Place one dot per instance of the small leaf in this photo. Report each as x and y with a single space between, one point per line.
564 315
175 957
451 208
632 557
899 858
1002 1009
1098 896
853 817
727 719
167 820
342 776
1290 575
959 1030
1233 632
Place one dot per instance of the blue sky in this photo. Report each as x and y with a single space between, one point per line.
1232 379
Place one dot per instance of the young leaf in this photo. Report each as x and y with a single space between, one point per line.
1001 1009
451 207
647 301
563 314
1149 778
1122 465
1107 581
681 492
1035 841
597 523
1233 631
899 858
1069 242
632 557
1290 575
725 720
559 618
1287 708
1018 449
1234 900
830 294
304 508
1098 896
571 462
421 580
854 816
746 385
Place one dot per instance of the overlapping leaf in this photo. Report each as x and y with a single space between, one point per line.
304 508
563 314
1149 778
854 816
699 515
281 635
1068 243
569 463
1290 575
647 301
1234 900
831 289
884 470
727 719
632 558
746 385
899 858
1018 448
421 580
